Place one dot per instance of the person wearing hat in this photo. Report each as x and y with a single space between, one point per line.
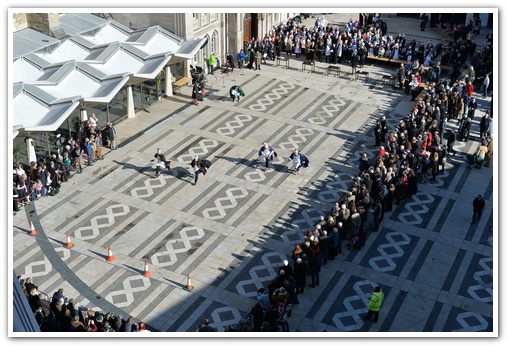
111 136
196 165
269 154
206 327
298 160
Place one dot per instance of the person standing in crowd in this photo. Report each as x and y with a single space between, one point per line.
99 143
211 62
484 124
485 85
111 135
258 60
250 57
76 158
450 142
241 58
206 327
374 305
377 213
489 154
89 151
269 154
196 165
298 160
478 205
354 62
235 92
480 154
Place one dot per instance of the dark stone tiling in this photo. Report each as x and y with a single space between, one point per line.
460 320
224 318
241 198
237 121
487 232
461 185
388 319
174 176
323 298
488 194
478 281
199 111
390 243
267 262
155 124
104 174
105 229
154 303
419 262
59 266
443 216
429 326
451 276
252 100
186 315
350 297
153 143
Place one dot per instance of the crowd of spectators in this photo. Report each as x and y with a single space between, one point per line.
411 153
62 314
44 177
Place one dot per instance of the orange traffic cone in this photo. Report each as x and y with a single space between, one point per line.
32 229
110 256
69 243
146 270
189 284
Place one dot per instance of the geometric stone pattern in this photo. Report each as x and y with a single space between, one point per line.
258 215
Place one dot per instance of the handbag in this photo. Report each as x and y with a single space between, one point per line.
265 55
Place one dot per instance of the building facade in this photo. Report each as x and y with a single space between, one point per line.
225 32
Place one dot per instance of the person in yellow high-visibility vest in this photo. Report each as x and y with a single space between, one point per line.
374 306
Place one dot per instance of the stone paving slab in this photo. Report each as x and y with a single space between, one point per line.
231 232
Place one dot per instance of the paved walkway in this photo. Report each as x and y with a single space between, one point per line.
231 231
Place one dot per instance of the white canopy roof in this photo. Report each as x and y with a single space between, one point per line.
98 57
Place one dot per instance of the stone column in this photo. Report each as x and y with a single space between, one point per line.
130 103
30 150
84 115
168 82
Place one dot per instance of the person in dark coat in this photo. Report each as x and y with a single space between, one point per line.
479 205
450 142
257 316
324 242
196 90
300 271
354 61
287 269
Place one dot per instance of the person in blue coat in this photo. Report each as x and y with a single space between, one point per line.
269 154
298 160
241 58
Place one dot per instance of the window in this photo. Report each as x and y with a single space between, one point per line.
213 44
195 15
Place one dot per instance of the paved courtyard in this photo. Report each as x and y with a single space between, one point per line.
231 232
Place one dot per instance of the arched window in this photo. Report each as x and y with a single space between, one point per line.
213 42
